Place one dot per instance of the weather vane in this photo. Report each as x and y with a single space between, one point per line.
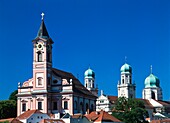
42 14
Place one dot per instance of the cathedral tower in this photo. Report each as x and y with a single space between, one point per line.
152 88
89 81
125 87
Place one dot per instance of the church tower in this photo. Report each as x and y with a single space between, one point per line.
125 87
89 81
42 67
152 88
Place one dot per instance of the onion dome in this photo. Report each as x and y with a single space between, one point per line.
126 68
151 81
89 73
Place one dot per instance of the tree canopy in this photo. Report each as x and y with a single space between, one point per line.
8 109
13 95
130 110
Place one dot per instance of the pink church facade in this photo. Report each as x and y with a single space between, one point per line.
51 90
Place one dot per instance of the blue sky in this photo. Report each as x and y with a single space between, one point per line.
99 33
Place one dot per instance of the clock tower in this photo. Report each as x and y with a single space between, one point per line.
42 66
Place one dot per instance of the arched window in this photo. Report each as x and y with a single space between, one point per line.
65 105
23 106
123 81
153 95
39 105
39 80
39 56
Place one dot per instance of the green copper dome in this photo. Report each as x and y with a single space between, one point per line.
151 81
126 68
89 73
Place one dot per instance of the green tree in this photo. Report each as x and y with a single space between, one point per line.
13 95
8 109
130 110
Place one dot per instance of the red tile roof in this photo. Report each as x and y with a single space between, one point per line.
27 114
112 99
51 121
11 120
161 121
146 102
101 116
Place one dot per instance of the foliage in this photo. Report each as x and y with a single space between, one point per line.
130 110
5 122
13 95
8 109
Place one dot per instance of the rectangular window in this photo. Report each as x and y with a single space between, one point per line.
65 105
24 107
101 101
55 106
39 105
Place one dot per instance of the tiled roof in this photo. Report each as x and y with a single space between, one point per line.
11 120
77 86
101 116
27 114
112 99
146 102
51 121
161 121
164 103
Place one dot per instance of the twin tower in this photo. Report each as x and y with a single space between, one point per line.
126 88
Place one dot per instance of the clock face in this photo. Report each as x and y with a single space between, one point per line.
39 46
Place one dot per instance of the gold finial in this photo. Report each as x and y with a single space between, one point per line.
42 14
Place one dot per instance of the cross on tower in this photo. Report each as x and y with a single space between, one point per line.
42 14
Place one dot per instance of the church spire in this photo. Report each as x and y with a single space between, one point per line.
42 32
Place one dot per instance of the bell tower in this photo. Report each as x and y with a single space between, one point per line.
152 88
42 67
89 81
125 87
